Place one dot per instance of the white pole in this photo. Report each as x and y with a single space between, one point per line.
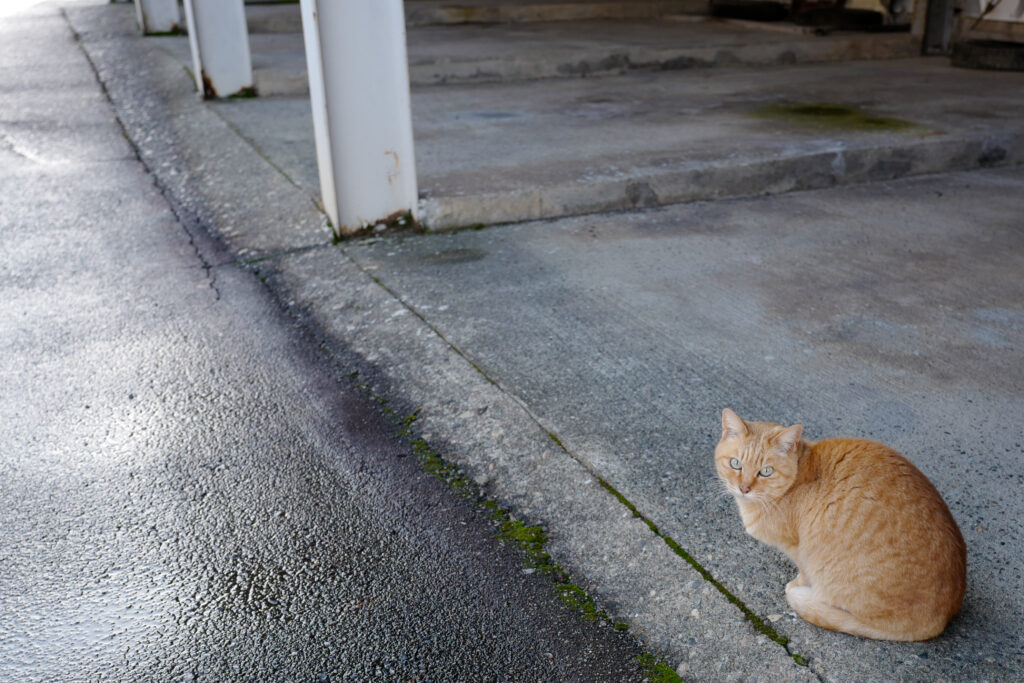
362 119
158 16
219 39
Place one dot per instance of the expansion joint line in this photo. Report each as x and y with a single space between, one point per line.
759 624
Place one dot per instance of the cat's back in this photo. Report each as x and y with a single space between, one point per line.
867 482
873 518
871 472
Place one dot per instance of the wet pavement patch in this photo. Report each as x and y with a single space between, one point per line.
455 256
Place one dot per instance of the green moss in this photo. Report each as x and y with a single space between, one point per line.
175 31
577 599
658 670
833 116
530 539
245 93
757 622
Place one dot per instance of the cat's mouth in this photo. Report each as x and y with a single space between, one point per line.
747 495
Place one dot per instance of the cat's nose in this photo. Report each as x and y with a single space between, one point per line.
744 489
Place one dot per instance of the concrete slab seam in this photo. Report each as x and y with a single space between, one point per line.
263 155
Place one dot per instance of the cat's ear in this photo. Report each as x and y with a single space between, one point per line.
732 426
788 438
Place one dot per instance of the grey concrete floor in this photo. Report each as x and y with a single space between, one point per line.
507 151
550 356
191 489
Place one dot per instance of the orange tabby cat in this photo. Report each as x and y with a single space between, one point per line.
877 551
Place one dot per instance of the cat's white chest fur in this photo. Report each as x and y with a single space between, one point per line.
762 528
753 519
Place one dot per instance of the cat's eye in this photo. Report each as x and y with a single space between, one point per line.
766 471
735 464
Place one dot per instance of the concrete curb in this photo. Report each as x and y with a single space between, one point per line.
269 19
424 12
574 63
219 183
702 180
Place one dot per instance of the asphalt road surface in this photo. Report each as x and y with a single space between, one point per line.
191 490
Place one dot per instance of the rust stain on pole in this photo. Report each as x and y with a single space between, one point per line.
392 174
208 89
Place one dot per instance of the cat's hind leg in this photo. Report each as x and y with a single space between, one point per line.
805 601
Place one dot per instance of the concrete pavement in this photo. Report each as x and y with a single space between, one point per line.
576 368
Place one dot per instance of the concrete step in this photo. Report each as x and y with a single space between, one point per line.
431 12
513 52
598 48
497 153
273 18
285 17
506 140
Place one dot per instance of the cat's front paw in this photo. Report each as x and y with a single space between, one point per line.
797 596
797 582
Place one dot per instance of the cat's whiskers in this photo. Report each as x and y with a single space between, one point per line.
724 490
